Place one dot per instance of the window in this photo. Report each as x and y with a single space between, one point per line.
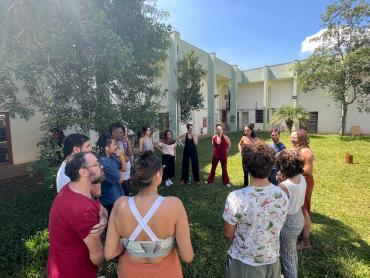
5 150
259 116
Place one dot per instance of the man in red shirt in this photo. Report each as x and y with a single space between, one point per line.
75 250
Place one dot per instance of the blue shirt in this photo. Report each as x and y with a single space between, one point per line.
111 189
277 148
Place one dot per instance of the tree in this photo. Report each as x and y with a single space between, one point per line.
83 64
189 79
341 64
289 114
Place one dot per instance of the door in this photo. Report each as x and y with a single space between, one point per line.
314 118
5 146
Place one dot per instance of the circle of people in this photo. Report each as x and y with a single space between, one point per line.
266 222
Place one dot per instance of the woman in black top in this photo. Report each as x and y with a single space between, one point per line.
190 152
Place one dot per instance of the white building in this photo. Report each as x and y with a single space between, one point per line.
233 97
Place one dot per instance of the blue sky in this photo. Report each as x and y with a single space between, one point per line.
247 33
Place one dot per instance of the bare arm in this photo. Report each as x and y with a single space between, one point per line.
182 234
103 220
113 246
307 158
158 147
174 152
240 145
141 145
95 247
195 138
228 143
229 231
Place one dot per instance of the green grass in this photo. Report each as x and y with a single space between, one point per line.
340 214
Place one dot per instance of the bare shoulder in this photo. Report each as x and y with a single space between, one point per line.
121 203
226 137
306 152
174 202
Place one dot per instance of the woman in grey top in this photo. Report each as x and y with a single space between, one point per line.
290 169
146 141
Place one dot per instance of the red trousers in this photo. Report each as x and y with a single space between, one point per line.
215 160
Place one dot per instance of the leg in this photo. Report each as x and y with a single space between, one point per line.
165 170
195 165
211 176
185 166
225 176
306 228
288 239
246 176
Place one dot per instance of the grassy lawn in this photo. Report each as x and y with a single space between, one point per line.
340 214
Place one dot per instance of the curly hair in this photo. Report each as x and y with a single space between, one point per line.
303 140
258 159
289 163
146 166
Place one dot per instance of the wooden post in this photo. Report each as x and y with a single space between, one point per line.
348 158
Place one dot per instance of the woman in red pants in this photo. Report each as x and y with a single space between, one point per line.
221 145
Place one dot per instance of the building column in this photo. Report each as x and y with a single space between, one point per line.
234 100
295 95
265 96
172 98
212 87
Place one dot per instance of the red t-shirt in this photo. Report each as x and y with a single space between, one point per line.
71 218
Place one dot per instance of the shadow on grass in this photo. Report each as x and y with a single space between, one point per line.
361 138
338 251
23 238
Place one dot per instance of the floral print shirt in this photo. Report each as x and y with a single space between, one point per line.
259 214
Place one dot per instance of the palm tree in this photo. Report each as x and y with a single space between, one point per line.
290 114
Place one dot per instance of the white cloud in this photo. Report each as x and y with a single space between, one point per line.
308 45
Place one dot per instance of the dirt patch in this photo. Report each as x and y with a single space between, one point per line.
20 185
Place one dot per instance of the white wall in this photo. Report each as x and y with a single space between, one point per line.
24 138
280 93
250 96
328 113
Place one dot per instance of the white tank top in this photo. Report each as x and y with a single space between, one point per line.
296 194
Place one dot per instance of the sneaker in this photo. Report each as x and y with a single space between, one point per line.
170 182
166 183
206 182
228 185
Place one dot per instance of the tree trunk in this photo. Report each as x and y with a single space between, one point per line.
289 124
343 117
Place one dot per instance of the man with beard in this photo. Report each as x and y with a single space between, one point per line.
76 250
277 147
73 143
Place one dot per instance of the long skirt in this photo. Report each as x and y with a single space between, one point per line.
169 267
307 198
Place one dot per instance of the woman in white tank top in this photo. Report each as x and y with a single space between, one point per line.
290 167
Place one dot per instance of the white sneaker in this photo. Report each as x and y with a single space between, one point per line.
166 183
170 182
228 185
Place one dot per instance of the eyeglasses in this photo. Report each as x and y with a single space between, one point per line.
94 165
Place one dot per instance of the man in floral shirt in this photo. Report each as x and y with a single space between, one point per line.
254 217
